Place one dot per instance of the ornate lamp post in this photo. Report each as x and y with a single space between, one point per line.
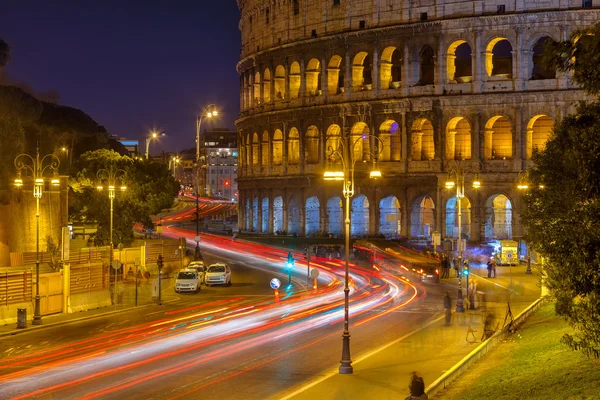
111 176
208 111
457 171
344 152
154 135
37 167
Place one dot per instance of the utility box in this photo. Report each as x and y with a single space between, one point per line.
21 318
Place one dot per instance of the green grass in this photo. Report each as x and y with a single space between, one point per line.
531 364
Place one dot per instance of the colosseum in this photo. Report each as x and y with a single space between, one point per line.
410 86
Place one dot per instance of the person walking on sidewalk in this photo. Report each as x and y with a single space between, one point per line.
448 308
494 268
489 267
417 388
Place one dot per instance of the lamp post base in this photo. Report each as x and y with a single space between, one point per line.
37 316
197 252
346 362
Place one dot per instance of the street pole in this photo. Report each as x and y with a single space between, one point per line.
111 196
346 361
308 249
37 315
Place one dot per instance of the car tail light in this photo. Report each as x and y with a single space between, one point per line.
437 272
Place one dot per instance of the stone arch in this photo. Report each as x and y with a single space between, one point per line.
422 143
539 130
538 69
359 142
293 216
498 218
278 214
335 79
267 85
426 66
277 147
255 159
265 215
293 147
242 155
459 63
389 217
311 145
458 139
279 82
422 219
257 88
452 218
361 71
264 149
389 133
390 68
313 216
359 216
312 77
335 216
248 222
294 80
497 139
498 58
255 214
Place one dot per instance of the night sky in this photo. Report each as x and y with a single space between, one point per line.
130 65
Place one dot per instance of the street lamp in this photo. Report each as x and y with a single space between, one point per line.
111 176
154 135
523 185
173 163
208 111
37 167
457 171
344 152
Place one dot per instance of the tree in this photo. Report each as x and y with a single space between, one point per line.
4 53
563 214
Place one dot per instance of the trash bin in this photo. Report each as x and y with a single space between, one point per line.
21 318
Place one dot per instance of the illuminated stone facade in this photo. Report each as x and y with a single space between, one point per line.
434 81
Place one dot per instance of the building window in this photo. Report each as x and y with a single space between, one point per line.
501 9
267 15
296 7
362 24
587 4
336 2
423 16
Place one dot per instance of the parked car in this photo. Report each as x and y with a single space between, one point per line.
199 267
187 281
218 274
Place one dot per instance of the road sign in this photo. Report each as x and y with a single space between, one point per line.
275 283
197 239
509 255
314 273
116 264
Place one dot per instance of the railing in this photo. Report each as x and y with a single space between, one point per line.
15 287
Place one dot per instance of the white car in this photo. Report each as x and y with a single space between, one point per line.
199 267
218 274
187 281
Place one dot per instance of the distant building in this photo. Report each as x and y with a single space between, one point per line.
220 155
132 146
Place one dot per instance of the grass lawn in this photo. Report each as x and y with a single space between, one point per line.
531 364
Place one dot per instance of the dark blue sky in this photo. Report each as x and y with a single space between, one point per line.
130 65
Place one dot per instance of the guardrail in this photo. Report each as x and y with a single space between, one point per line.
449 376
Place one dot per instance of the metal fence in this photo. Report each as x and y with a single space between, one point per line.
88 278
15 287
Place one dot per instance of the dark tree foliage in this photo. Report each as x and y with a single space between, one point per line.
563 214
150 188
4 53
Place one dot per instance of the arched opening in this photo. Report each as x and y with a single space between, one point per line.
389 133
359 216
458 139
277 147
265 215
293 147
335 77
458 62
498 218
267 85
255 158
264 149
257 88
359 142
294 80
242 155
422 220
255 214
452 218
427 66
249 89
361 72
248 222
280 82
311 145
389 217
390 68
335 222
248 150
539 70
293 216
313 216
498 59
539 130
497 139
313 77
278 214
422 140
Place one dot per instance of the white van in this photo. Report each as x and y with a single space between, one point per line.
187 281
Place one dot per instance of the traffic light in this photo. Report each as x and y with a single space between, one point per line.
160 262
226 183
290 261
465 270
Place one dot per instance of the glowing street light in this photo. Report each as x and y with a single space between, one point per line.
154 135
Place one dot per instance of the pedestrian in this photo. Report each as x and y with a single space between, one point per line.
417 388
456 269
448 308
489 267
445 267
494 268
